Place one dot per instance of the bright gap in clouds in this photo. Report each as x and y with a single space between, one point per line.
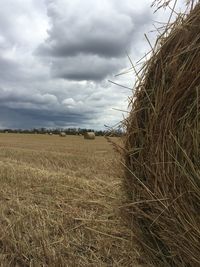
56 58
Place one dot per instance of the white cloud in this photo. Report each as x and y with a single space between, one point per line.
56 57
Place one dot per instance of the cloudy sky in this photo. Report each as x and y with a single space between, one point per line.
56 57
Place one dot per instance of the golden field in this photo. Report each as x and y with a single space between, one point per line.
60 199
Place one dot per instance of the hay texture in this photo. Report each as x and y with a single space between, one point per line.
89 135
62 134
162 159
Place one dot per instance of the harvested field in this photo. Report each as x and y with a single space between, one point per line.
59 203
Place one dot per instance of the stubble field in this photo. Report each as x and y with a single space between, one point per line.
59 203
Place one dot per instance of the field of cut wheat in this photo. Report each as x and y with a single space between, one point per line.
59 203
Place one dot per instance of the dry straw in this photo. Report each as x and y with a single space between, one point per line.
62 134
162 158
89 135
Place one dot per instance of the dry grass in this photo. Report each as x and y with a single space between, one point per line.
59 200
162 148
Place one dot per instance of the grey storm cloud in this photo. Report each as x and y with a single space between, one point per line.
84 67
39 110
36 110
13 98
23 118
89 41
98 36
56 57
8 69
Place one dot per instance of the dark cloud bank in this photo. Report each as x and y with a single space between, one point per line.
56 57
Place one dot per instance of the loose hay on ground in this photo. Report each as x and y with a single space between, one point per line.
59 203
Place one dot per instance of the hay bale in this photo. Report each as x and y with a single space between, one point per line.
89 135
162 165
62 134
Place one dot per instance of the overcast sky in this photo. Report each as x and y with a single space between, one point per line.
56 57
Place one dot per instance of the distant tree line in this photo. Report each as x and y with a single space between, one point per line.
68 131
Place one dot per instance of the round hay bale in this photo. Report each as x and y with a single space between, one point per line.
62 134
89 135
162 157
